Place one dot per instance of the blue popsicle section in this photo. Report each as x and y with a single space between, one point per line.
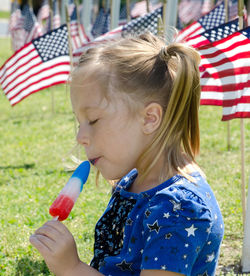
82 172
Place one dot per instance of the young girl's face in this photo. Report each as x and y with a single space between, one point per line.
113 139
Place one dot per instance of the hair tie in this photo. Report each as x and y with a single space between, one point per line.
164 55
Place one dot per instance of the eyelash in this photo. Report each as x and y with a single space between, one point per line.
93 122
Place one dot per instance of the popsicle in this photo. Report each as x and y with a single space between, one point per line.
62 206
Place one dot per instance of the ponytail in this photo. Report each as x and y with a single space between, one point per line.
179 130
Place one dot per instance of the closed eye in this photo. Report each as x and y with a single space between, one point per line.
93 122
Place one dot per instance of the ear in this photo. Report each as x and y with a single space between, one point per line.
152 117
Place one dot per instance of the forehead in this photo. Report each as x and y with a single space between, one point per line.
86 92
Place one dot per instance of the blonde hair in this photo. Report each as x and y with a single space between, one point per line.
148 70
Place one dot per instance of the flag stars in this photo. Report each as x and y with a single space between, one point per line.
191 230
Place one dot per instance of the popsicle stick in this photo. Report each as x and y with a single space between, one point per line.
55 218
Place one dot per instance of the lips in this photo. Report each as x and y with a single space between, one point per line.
94 160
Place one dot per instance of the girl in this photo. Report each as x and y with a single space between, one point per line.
137 103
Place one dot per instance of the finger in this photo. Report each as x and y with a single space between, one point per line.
49 231
59 226
42 243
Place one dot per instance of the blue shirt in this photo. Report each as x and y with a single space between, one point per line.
176 226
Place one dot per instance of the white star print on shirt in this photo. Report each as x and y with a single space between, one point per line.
176 206
191 230
166 215
210 258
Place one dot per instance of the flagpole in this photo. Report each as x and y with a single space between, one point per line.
164 17
86 15
63 15
114 13
51 27
245 260
242 131
30 4
69 39
170 18
147 2
76 2
71 64
128 10
160 27
228 122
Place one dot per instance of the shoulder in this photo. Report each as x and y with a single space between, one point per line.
181 200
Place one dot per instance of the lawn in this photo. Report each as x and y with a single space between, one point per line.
35 152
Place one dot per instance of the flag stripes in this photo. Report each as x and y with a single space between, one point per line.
225 78
37 65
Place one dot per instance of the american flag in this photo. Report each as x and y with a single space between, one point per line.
148 22
232 9
214 34
56 15
189 10
101 24
31 25
77 31
42 63
206 6
225 78
43 12
16 29
140 8
123 15
212 19
54 19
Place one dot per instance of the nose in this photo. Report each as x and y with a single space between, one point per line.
82 136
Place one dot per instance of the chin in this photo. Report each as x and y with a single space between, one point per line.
111 176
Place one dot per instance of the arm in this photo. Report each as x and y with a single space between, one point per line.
58 248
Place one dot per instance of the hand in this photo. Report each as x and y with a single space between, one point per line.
57 246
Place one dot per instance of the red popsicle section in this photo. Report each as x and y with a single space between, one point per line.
61 207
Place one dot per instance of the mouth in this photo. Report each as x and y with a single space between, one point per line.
94 160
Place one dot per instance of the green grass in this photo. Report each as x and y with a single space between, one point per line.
33 144
4 15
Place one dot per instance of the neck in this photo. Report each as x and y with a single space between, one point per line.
153 179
